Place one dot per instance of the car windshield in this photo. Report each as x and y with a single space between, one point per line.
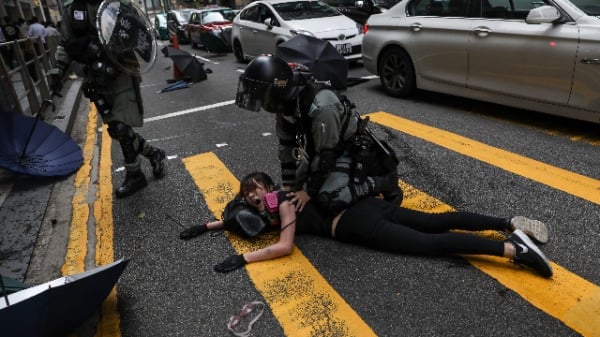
590 7
183 17
217 16
302 10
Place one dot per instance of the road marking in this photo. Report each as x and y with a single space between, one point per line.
77 250
188 111
299 297
110 320
205 59
78 234
567 296
576 184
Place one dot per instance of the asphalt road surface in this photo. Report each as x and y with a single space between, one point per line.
455 154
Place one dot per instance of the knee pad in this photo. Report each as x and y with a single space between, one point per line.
120 131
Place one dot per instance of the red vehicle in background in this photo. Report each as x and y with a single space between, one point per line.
210 28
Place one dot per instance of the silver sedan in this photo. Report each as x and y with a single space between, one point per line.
537 55
264 24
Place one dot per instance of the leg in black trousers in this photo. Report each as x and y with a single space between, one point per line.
380 225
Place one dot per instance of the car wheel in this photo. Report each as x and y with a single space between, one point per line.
396 72
238 52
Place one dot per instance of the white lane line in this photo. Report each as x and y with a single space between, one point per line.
188 111
205 59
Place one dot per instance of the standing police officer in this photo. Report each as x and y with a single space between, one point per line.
317 134
115 93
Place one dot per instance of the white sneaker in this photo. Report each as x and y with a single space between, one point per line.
535 229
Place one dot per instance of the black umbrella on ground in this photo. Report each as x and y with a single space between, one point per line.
320 56
187 63
56 308
31 146
216 40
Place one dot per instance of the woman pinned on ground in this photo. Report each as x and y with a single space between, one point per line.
380 225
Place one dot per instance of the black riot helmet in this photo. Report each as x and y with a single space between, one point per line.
267 82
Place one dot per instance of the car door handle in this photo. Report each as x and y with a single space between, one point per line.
590 61
482 31
415 27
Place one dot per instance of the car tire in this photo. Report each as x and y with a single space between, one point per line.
238 52
396 72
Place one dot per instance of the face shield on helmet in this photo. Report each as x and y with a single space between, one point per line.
267 82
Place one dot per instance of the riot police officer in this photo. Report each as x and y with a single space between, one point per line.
316 135
114 92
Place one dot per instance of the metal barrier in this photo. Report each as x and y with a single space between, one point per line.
24 64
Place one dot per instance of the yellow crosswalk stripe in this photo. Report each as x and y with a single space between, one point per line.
300 298
576 184
290 284
567 296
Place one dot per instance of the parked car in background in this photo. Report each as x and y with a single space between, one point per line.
357 10
160 26
210 28
264 24
538 55
177 19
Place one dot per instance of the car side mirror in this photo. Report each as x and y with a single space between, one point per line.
543 14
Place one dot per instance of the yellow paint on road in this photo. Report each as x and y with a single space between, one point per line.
109 324
576 184
567 296
78 235
300 298
306 305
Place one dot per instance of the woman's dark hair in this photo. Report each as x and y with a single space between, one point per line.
250 181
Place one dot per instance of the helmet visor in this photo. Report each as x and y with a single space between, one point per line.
250 93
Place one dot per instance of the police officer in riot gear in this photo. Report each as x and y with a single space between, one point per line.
316 136
114 92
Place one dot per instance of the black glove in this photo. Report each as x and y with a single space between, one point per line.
56 80
231 263
193 231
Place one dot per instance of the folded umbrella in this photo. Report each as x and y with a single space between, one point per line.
31 146
320 56
56 308
175 86
186 63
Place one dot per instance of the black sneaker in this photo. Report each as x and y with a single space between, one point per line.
156 157
133 183
528 254
535 229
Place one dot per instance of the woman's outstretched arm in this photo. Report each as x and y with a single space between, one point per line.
283 247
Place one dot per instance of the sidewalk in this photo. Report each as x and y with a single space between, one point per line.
24 201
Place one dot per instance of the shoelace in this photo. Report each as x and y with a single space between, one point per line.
247 309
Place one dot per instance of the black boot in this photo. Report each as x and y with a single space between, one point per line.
134 181
388 186
156 157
